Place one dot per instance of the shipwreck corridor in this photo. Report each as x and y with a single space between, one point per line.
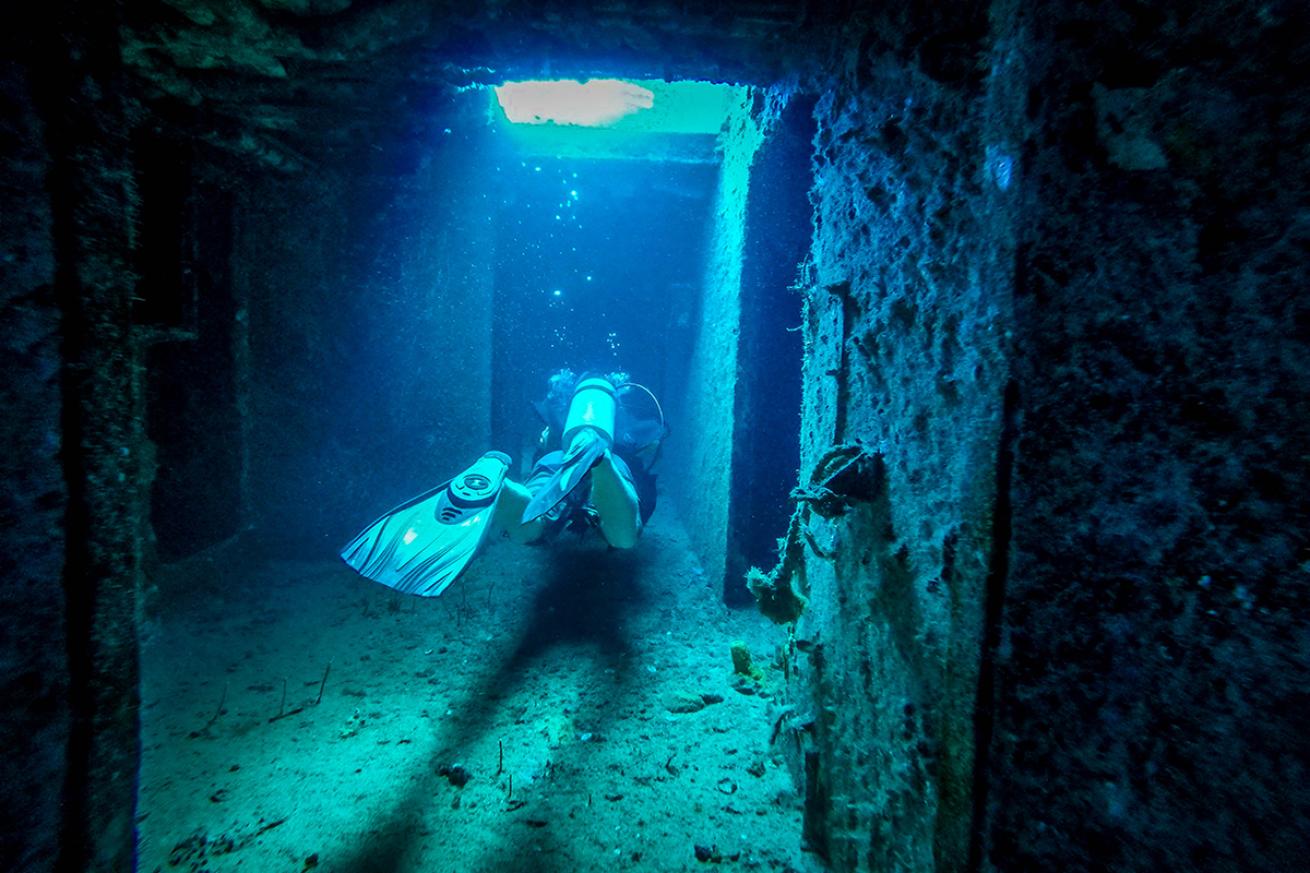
978 326
301 368
309 370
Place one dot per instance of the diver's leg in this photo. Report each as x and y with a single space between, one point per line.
513 500
614 494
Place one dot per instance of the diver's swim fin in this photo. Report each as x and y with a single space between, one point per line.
422 545
586 450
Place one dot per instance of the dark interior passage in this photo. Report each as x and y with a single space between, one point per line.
766 454
194 418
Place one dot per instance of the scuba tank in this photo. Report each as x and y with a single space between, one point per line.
593 406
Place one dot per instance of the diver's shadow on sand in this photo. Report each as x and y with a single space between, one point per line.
587 597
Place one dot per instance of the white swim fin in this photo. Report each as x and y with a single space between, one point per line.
422 545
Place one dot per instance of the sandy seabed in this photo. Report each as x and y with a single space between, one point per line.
528 720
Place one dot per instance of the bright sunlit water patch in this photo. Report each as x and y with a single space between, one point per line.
650 106
594 103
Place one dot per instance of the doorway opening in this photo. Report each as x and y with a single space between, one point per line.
661 241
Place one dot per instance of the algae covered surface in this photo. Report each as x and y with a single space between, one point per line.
562 708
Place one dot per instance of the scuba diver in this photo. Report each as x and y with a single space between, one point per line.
592 470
